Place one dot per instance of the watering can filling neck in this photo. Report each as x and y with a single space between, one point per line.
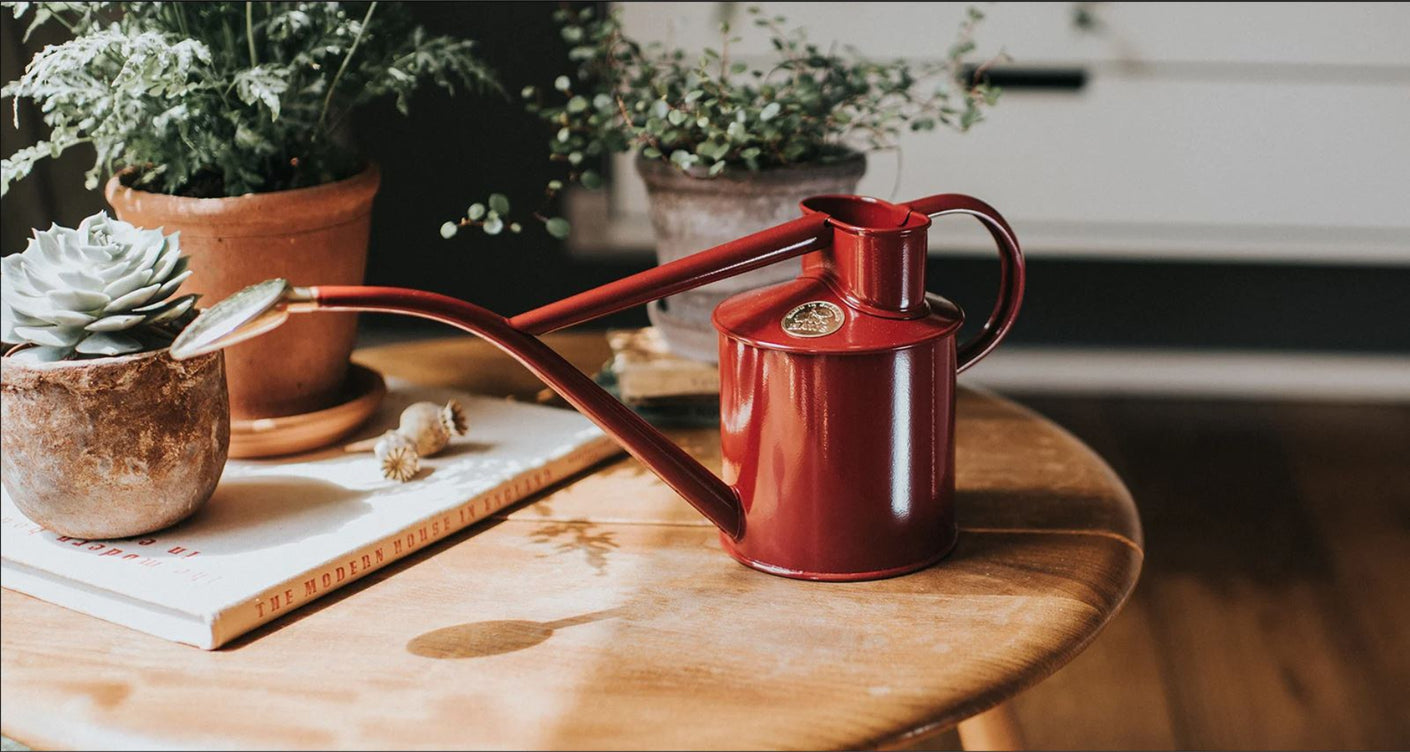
876 259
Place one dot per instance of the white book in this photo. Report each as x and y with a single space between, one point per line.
280 533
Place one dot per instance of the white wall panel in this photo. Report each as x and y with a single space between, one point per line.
1267 131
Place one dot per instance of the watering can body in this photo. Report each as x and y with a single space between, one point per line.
837 388
837 404
843 458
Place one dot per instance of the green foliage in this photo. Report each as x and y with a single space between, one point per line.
557 227
104 288
713 114
809 105
224 98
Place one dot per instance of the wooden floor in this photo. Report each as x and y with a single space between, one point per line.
1274 608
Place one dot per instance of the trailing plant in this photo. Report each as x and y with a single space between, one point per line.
711 113
224 98
104 288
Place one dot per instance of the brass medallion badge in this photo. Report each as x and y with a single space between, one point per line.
817 318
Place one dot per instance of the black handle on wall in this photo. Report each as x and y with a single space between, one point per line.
1029 79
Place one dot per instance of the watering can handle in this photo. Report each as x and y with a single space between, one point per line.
1010 270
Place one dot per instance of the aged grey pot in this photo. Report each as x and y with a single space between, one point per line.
691 214
113 447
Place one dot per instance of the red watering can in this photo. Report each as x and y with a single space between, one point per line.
837 389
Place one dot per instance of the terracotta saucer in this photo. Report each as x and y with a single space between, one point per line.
268 437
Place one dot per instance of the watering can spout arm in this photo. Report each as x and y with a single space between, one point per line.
793 238
712 497
262 307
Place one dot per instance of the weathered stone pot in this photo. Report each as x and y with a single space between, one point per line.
112 447
309 236
691 213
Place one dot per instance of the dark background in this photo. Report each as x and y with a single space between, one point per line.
453 151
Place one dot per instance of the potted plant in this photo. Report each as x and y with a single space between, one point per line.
226 121
727 148
105 435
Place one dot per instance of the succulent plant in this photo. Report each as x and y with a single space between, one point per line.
104 288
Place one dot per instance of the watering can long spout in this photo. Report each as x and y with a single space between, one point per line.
707 493
262 307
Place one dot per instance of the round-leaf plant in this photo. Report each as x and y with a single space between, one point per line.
708 114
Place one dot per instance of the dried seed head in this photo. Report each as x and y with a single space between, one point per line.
389 441
453 419
398 457
423 425
401 464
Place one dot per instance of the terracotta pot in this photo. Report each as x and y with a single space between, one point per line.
309 236
691 214
113 447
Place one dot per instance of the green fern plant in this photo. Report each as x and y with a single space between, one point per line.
224 98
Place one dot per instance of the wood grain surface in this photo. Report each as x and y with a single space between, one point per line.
603 614
1271 611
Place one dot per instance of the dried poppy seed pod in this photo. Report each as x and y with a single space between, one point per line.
390 440
422 424
453 418
398 457
425 429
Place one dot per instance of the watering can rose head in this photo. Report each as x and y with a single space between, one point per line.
104 288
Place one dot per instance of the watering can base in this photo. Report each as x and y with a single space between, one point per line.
947 544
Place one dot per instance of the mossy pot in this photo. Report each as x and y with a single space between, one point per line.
113 447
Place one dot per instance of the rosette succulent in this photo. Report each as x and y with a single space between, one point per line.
104 288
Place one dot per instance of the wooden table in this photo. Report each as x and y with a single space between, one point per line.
604 615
